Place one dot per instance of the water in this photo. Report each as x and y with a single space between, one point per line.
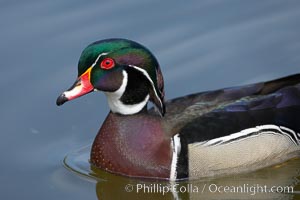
250 186
201 45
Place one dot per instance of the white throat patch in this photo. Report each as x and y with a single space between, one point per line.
117 106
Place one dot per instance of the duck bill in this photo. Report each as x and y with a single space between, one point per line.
81 87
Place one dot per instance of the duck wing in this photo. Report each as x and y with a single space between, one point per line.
237 105
278 112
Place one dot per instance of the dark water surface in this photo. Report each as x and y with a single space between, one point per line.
201 45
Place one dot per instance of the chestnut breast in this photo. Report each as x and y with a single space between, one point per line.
132 145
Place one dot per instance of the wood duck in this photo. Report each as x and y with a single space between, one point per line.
227 131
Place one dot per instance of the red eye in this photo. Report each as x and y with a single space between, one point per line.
107 63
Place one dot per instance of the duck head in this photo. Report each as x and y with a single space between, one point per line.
124 70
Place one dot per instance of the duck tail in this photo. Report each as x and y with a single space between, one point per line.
277 84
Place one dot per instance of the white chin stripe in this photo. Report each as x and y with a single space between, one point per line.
176 148
117 106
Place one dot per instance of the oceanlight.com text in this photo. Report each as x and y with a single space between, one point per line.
250 189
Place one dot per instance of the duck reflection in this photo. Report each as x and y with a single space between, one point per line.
281 179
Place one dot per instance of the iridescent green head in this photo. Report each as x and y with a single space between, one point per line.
126 71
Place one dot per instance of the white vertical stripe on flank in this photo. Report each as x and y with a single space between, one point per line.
176 147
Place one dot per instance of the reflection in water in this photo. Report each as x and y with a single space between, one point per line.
247 186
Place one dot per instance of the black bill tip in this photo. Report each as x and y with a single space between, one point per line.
61 100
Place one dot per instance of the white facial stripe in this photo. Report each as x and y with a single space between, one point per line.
71 93
101 54
117 106
176 147
148 77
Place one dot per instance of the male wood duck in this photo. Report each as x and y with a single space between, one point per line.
227 131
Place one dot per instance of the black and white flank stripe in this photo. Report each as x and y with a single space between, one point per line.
179 165
254 132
